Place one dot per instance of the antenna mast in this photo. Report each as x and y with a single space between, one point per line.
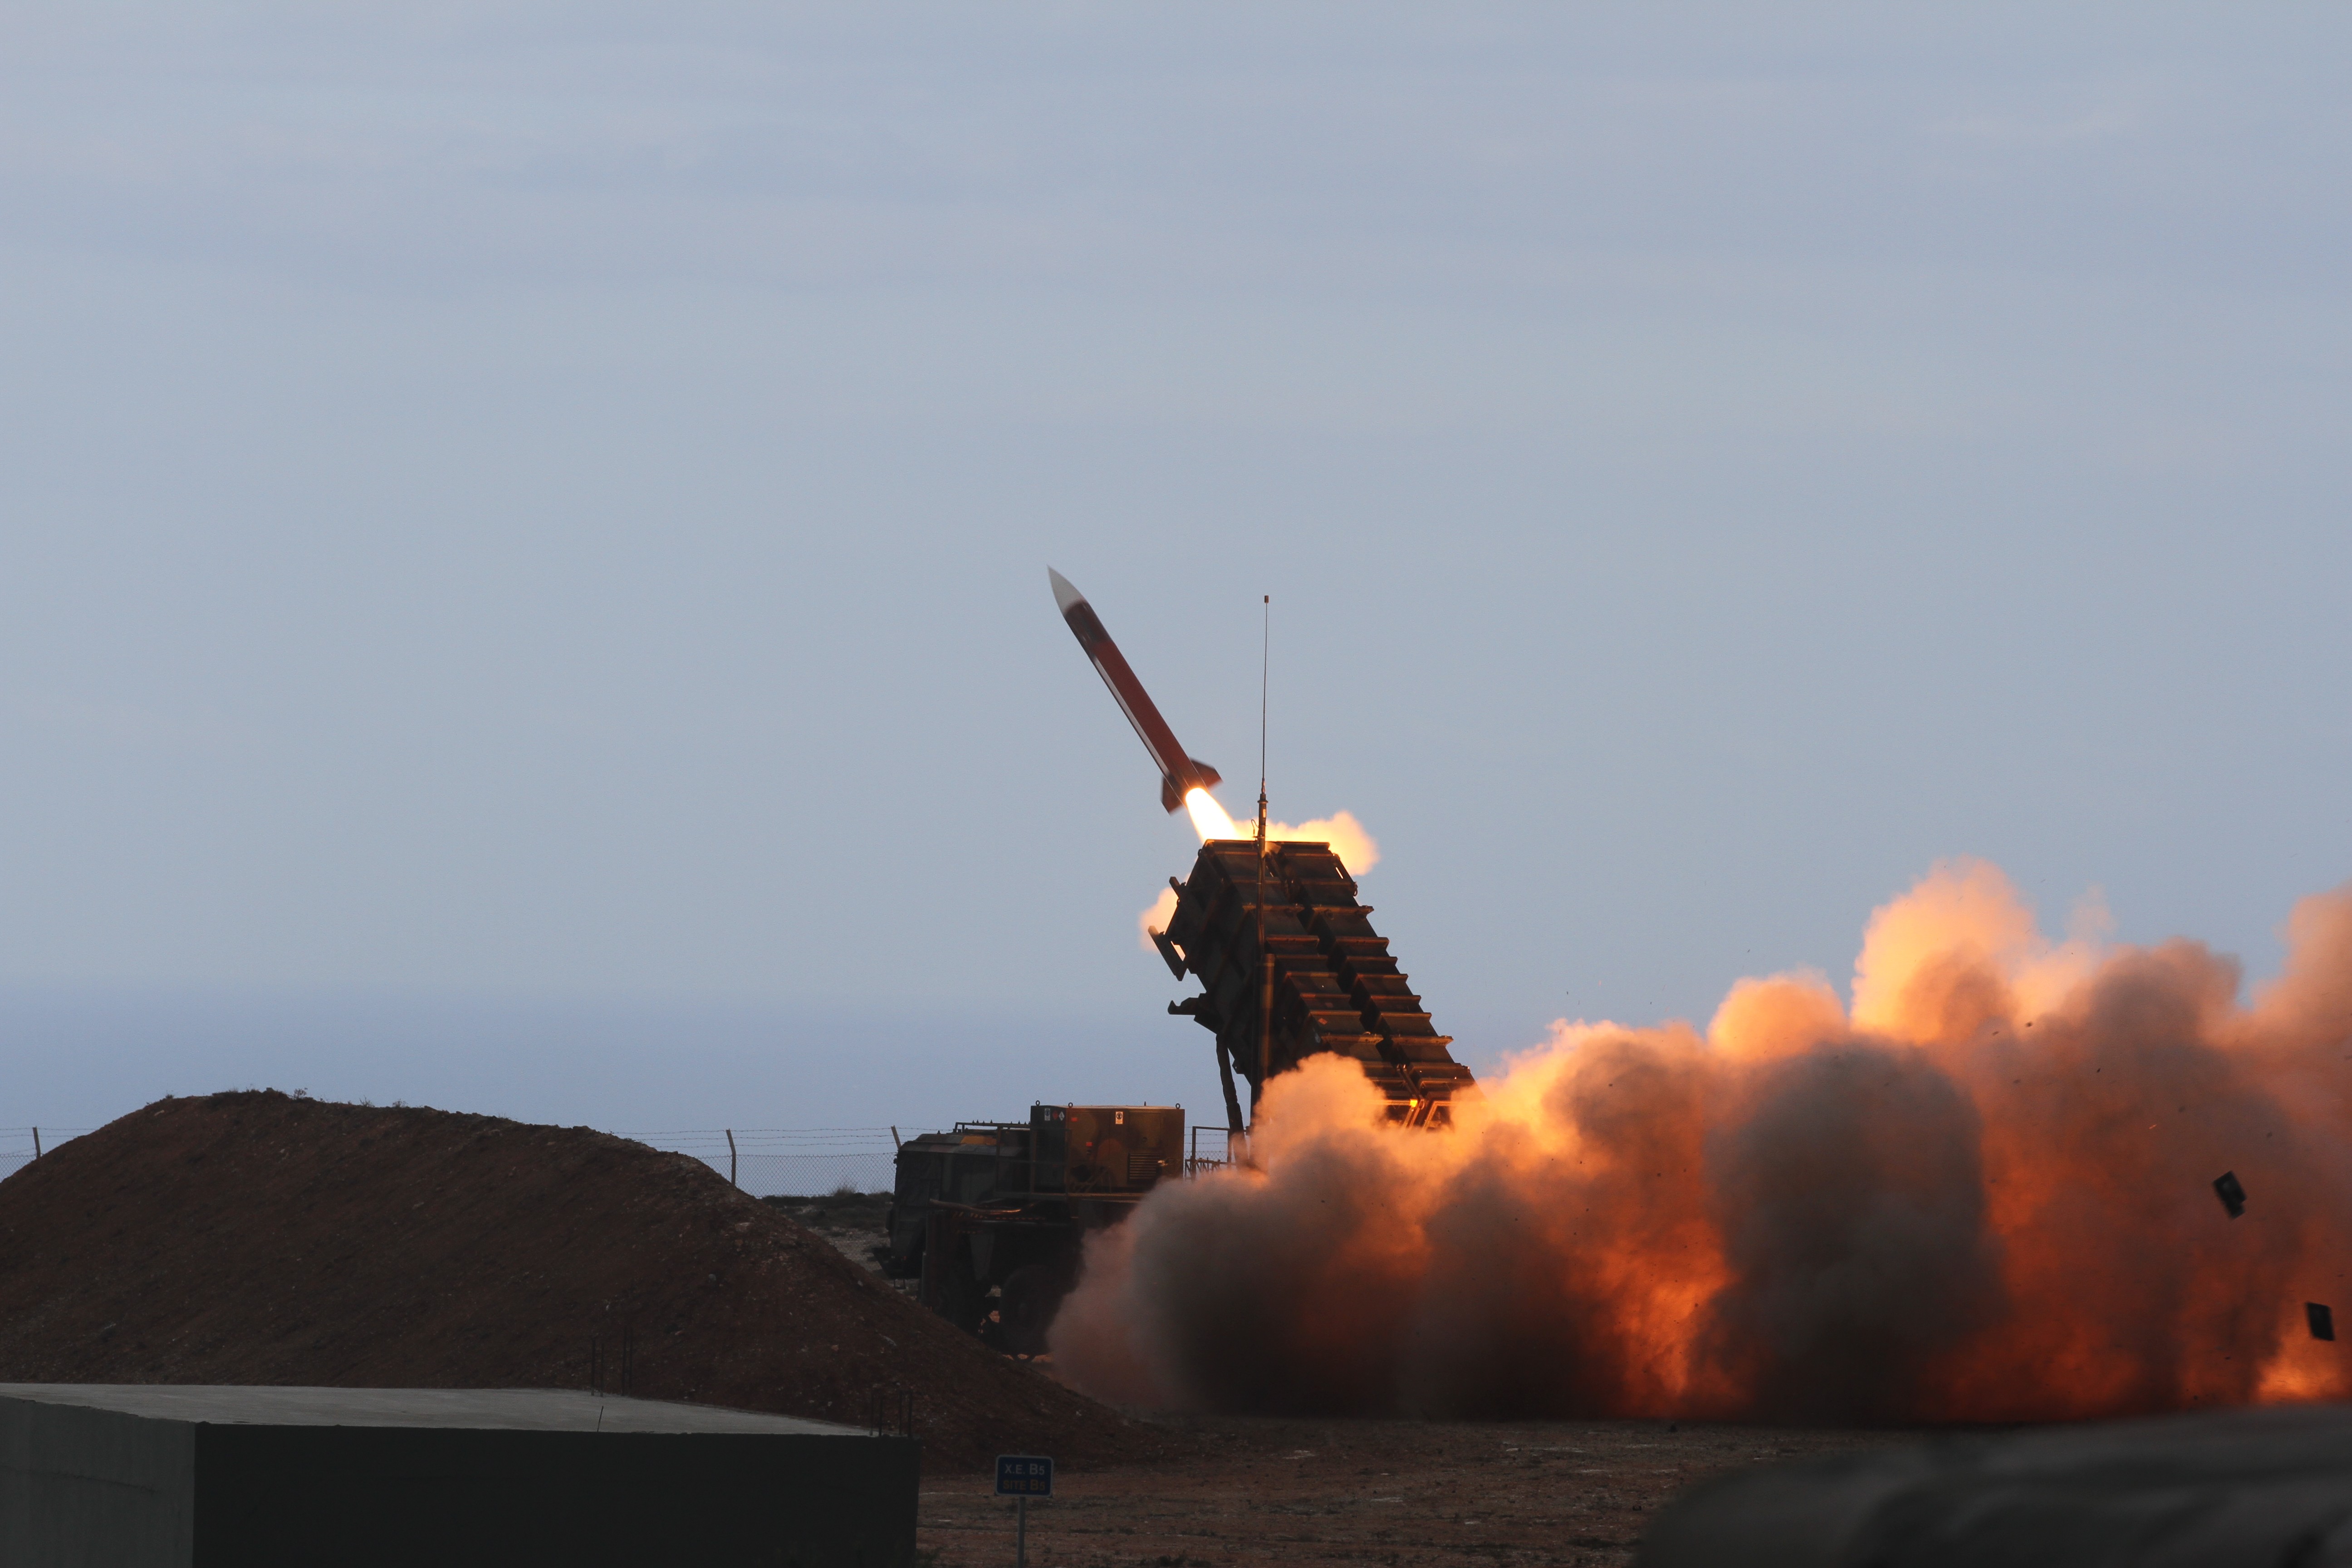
1266 957
1264 646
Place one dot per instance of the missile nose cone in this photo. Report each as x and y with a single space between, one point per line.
1065 594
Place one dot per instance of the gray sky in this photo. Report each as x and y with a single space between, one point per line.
524 527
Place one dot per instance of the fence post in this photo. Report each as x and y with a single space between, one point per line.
36 1142
730 1160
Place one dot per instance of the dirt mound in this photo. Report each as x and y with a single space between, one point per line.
258 1238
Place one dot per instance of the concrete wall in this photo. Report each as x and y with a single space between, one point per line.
94 1489
114 1489
295 1497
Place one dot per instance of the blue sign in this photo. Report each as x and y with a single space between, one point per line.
1023 1474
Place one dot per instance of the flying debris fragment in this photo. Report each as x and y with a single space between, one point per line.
2232 1195
2321 1319
1177 773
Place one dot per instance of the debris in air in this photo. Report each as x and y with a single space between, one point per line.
2322 1320
2231 1191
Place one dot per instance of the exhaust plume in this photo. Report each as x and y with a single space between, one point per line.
1982 1193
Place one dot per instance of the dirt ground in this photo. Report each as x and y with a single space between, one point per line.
1396 1494
855 1225
1399 1494
258 1237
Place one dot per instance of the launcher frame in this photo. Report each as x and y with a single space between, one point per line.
1336 986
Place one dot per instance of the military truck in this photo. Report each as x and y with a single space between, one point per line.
989 1218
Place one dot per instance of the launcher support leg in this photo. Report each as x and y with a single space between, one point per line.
1225 1076
1264 1028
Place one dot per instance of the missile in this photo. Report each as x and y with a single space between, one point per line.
1177 773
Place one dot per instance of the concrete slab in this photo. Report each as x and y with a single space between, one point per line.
517 1409
2256 1487
191 1476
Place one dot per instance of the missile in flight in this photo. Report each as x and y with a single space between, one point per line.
1177 773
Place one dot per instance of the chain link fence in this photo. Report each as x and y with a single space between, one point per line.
783 1161
20 1146
766 1161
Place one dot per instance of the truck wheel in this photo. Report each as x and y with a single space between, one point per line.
1025 1311
963 1300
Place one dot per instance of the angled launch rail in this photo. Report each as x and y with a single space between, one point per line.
1335 986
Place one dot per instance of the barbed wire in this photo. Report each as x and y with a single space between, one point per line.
869 1137
16 1140
765 1133
788 1162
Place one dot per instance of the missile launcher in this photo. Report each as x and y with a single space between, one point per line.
1309 946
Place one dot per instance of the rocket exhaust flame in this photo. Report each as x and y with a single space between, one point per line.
1340 830
1355 848
1209 819
1983 1193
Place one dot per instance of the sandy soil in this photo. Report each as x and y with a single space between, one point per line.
1399 1493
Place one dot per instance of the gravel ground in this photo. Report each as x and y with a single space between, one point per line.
1401 1494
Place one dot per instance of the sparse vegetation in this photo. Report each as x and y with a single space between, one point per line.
843 1208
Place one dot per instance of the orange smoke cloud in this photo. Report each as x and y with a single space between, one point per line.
1340 830
1981 1193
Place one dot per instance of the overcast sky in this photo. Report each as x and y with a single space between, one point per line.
523 528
